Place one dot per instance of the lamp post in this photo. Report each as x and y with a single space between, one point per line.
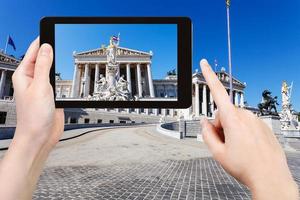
229 50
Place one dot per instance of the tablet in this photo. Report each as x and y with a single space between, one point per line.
120 62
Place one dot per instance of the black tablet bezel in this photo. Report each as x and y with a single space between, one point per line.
184 62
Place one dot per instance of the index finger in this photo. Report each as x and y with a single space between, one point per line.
217 89
27 65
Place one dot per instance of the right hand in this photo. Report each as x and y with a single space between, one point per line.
245 146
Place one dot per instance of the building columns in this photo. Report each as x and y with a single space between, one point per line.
172 112
128 77
75 83
212 105
204 102
164 112
236 98
139 79
97 69
61 91
151 88
242 100
197 101
2 83
138 111
86 81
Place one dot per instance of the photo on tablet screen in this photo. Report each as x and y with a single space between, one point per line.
116 62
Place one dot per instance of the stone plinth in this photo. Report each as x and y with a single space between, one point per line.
189 128
274 123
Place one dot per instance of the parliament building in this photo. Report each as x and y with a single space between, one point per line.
135 67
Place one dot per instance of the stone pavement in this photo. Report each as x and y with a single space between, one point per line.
139 163
199 178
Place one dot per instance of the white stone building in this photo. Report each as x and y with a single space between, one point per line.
8 65
134 66
139 66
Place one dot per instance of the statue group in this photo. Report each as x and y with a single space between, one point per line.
268 104
113 87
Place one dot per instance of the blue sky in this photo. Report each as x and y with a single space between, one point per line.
158 38
265 34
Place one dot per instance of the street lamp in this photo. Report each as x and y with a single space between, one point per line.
229 50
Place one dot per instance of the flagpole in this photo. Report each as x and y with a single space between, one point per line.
229 51
6 44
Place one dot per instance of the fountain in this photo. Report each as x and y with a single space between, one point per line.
112 87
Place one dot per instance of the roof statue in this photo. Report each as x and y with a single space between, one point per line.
172 72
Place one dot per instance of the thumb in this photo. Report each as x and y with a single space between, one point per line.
212 139
43 64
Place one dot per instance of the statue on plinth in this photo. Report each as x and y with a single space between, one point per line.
268 104
112 87
287 120
101 84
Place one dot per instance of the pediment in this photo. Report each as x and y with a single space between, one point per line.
6 59
223 77
121 51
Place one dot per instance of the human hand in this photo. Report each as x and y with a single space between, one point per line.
39 124
245 146
37 119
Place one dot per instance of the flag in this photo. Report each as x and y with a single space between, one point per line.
115 38
11 42
227 3
21 57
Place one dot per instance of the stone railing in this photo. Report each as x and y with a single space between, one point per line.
190 128
291 133
169 129
173 126
8 132
181 129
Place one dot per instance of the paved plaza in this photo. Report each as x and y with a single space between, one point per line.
139 163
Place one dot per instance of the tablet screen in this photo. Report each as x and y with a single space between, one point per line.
116 62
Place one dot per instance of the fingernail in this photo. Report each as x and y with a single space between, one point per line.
45 50
203 62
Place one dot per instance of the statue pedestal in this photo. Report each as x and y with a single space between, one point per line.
112 74
274 123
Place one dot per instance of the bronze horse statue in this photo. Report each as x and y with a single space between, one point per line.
268 104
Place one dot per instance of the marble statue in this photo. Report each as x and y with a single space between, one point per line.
101 84
287 120
286 94
111 52
112 87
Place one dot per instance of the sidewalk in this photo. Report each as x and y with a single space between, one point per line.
69 134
